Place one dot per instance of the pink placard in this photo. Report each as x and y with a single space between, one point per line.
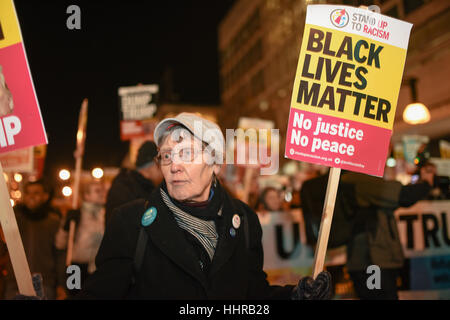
21 122
337 142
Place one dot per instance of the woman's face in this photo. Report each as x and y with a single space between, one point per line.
273 200
187 178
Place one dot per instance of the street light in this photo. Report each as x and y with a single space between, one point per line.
415 112
391 162
64 174
97 173
67 191
18 177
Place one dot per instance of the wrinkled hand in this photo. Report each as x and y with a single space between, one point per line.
38 287
310 289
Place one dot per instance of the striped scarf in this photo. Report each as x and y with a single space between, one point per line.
204 231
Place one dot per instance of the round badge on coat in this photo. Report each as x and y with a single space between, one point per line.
233 232
149 216
236 221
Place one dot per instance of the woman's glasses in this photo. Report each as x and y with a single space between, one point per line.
184 155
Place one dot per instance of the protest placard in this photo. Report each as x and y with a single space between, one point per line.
21 126
21 123
346 88
18 160
137 104
344 97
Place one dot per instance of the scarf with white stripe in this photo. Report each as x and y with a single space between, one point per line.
204 231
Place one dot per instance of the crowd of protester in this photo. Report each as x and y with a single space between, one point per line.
45 229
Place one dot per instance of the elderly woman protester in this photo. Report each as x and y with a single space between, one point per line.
189 239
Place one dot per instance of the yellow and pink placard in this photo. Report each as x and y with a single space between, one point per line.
21 122
346 88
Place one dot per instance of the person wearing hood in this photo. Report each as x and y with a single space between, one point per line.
38 224
190 239
132 184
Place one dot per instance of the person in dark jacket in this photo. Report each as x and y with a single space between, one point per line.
38 224
190 239
364 221
134 184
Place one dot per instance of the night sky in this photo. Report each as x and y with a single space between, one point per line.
119 44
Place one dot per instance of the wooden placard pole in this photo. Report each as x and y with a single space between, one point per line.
327 218
14 242
81 137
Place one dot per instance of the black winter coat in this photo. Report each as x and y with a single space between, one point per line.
171 268
127 186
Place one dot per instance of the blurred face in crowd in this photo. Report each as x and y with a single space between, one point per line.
272 200
95 193
427 173
185 168
34 196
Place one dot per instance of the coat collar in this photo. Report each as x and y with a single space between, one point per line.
169 237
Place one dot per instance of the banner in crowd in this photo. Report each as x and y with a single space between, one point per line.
18 160
424 231
21 122
346 88
286 255
137 104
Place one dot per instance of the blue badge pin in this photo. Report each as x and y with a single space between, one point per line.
149 216
232 232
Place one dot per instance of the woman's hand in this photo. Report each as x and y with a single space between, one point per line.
310 289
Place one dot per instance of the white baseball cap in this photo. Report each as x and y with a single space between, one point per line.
203 129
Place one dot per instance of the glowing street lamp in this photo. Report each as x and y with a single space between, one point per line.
415 112
97 173
64 174
67 191
391 162
18 177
